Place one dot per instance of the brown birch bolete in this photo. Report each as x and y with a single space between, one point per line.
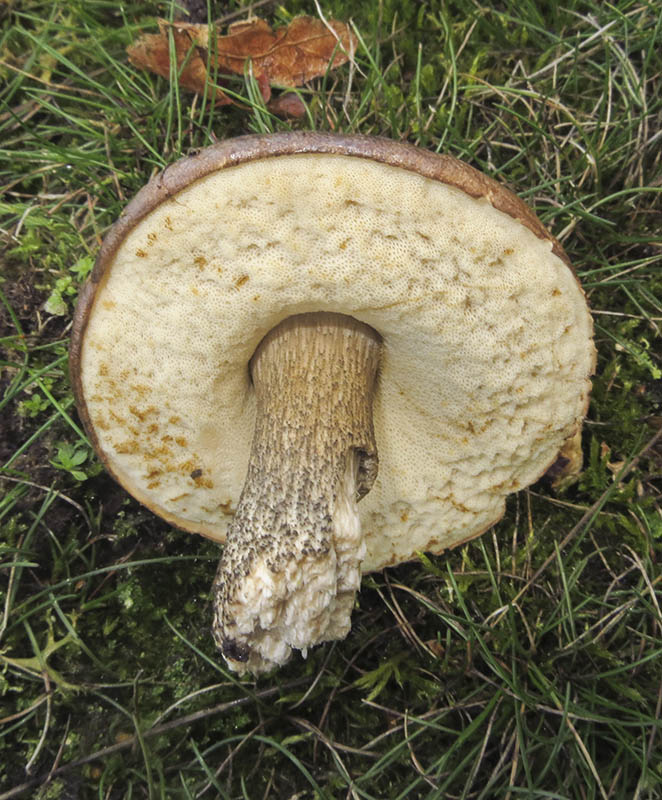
330 353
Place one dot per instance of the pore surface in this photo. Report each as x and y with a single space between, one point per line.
485 362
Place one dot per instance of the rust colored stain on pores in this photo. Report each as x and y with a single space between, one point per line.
129 447
197 476
149 440
142 415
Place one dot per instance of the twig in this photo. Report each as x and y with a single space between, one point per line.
41 699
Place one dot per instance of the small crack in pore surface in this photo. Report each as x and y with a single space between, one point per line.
291 564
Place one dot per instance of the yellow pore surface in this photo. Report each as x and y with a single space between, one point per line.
487 342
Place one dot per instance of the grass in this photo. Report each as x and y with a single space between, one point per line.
526 664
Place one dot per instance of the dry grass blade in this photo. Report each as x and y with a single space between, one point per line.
588 515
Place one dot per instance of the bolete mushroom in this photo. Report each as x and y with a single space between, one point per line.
270 314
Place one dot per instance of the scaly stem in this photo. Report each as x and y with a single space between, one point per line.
292 560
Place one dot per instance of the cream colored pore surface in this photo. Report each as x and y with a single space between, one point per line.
486 334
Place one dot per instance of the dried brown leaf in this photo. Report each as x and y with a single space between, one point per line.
152 52
289 56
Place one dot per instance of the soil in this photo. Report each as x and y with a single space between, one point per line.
34 327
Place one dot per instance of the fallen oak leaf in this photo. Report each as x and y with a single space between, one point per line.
290 56
152 52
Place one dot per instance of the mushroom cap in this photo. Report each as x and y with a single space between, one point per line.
487 338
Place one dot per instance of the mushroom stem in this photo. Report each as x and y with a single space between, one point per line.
292 559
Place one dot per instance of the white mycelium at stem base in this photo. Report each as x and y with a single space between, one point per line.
292 560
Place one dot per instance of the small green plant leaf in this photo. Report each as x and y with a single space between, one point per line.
68 458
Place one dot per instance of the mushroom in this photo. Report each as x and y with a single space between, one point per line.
270 315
